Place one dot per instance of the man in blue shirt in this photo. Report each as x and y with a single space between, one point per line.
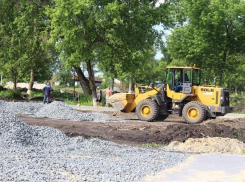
179 85
47 90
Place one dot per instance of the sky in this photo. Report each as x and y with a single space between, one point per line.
159 55
160 2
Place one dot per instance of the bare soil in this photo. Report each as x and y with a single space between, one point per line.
139 132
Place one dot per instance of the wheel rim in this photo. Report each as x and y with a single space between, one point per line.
193 113
145 110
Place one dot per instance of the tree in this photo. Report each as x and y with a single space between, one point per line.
130 36
212 36
63 74
87 30
76 33
9 45
31 27
24 39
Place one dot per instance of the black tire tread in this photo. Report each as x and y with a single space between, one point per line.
203 116
155 109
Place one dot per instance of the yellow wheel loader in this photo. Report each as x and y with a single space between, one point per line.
182 95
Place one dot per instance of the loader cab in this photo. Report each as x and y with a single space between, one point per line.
181 79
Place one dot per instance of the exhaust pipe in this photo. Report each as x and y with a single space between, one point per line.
215 81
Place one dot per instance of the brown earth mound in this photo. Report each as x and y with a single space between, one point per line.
137 132
181 133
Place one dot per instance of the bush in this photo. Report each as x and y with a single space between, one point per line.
2 88
85 100
238 102
237 99
34 94
10 94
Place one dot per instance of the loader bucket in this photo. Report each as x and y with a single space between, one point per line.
121 101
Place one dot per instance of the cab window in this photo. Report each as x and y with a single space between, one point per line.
187 76
196 77
178 77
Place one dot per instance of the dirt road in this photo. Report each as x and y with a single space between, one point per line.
135 131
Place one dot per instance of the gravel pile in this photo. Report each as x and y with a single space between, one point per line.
208 145
60 110
2 103
15 132
23 108
55 110
45 154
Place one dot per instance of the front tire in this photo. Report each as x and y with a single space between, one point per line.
147 110
194 112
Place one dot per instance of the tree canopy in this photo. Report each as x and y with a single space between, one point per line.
120 39
24 52
212 36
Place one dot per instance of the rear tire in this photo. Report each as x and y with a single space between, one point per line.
194 112
147 110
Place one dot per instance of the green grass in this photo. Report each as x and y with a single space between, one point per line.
68 89
57 94
35 94
84 102
239 112
10 94
67 97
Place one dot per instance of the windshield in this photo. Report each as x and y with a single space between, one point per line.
196 77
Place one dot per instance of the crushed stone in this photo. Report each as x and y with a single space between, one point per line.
46 154
54 110
60 110
23 108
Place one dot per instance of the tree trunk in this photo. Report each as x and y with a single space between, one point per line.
236 90
31 83
83 81
112 84
91 79
130 89
1 79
